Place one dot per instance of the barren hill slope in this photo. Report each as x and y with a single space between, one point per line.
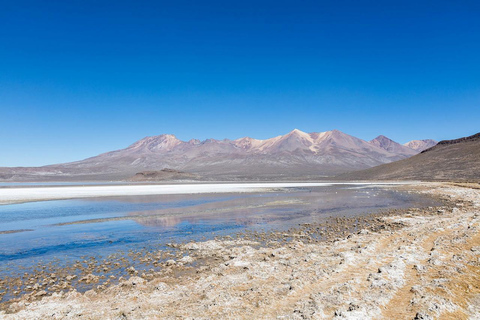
457 159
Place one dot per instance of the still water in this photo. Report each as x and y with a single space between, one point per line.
66 230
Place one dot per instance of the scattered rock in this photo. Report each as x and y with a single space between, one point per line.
170 262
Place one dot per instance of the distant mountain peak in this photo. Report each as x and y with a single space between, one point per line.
381 138
420 145
334 133
194 141
391 146
164 136
210 140
297 131
247 143
156 143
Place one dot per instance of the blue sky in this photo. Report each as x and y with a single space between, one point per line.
78 78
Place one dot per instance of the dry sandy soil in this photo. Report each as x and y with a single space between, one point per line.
427 268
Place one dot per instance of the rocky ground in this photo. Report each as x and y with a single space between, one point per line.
412 264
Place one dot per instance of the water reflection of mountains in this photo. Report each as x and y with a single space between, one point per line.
237 216
155 221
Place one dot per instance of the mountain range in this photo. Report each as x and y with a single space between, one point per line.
449 160
294 155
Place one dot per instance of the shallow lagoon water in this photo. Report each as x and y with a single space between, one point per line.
67 230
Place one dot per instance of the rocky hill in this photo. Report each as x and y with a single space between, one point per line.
457 160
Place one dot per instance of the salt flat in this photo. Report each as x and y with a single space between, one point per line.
28 194
413 263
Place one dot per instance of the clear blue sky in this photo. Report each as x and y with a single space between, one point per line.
78 78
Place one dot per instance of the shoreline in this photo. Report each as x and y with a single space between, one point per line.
403 263
14 195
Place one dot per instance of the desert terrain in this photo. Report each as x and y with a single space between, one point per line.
419 263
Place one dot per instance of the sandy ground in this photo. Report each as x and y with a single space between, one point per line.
428 268
27 194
